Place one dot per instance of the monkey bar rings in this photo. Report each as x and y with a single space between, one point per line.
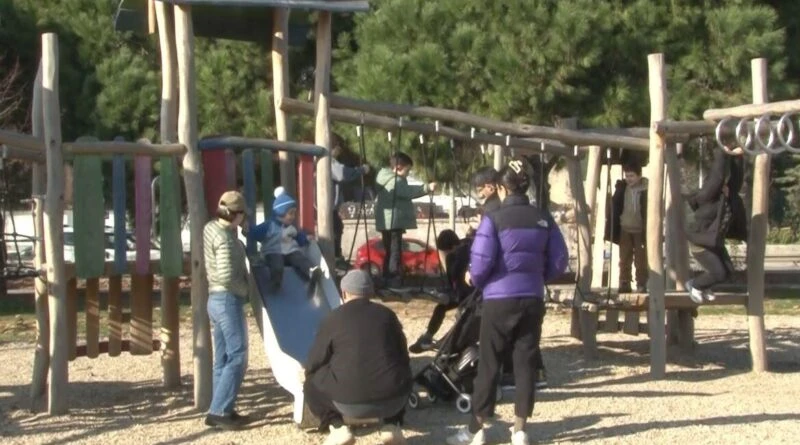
759 135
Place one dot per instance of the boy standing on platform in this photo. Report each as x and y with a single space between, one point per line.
625 226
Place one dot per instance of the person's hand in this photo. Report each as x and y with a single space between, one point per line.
432 187
365 169
468 278
738 151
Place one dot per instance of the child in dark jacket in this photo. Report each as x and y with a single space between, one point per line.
282 242
719 213
456 260
626 219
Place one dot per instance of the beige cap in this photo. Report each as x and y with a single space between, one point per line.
233 201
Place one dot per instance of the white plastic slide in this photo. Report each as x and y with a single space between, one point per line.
291 320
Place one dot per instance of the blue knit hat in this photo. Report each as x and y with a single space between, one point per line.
283 202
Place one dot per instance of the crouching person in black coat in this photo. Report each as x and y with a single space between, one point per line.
719 213
358 365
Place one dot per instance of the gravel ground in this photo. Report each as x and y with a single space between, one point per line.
707 398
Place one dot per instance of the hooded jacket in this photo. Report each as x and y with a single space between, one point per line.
717 217
517 249
616 207
393 207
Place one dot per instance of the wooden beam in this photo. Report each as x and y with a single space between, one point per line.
677 301
24 154
169 75
757 237
151 17
193 179
21 141
638 132
124 148
568 137
692 128
241 143
754 110
280 91
387 123
655 228
41 359
322 136
54 228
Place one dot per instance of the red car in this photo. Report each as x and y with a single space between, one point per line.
417 258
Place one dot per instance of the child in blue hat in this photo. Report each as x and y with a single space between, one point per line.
282 242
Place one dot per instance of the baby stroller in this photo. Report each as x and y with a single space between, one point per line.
450 375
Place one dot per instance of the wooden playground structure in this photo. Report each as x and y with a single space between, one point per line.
208 167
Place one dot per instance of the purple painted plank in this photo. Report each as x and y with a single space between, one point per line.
143 174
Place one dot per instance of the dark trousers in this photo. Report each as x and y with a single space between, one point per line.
515 325
321 405
716 263
632 251
393 248
297 259
338 230
437 317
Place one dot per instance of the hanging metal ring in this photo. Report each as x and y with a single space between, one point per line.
744 137
785 121
757 130
718 133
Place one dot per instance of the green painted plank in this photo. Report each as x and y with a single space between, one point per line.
169 215
88 210
267 181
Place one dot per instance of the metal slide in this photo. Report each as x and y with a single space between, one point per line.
291 319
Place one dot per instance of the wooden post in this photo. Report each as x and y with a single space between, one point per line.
592 181
193 178
586 318
497 152
453 208
756 243
41 360
54 229
322 91
280 90
151 17
599 246
169 80
677 248
654 229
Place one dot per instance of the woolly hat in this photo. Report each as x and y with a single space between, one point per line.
233 201
283 202
357 282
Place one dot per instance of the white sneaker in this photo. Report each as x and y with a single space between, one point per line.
340 436
710 295
695 294
519 438
464 437
392 435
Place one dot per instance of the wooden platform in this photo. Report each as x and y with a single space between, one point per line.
672 300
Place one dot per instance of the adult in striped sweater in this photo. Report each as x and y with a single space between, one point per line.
228 292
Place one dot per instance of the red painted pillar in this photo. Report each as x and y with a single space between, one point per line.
215 178
305 190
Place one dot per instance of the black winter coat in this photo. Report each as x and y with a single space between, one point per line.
614 211
710 205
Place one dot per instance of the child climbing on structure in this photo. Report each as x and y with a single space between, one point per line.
282 242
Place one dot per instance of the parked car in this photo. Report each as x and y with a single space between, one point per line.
417 258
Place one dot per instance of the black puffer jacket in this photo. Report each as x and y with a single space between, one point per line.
715 216
614 211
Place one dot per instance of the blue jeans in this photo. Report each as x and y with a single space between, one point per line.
226 312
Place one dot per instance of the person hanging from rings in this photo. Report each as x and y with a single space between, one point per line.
517 249
719 213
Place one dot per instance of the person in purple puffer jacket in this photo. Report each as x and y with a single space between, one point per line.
517 249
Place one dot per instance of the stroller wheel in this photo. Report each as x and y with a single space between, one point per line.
432 397
464 403
413 400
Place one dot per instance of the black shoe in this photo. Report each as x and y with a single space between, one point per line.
393 283
541 379
624 288
222 422
423 343
641 289
242 419
507 382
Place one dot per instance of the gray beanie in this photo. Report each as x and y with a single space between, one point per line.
358 282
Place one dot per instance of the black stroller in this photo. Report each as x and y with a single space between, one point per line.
450 375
